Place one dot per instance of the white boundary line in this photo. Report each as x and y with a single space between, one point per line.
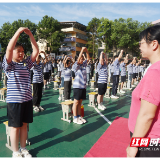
102 115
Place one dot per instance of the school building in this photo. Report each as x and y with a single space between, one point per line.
75 39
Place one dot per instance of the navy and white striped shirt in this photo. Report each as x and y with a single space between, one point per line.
19 81
134 68
123 69
112 68
95 65
141 69
116 67
68 74
38 74
49 65
130 69
45 68
80 75
62 70
103 73
88 68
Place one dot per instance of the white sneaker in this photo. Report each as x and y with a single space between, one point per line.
17 155
100 107
77 120
82 119
25 153
121 91
41 108
47 83
103 105
44 86
112 96
36 109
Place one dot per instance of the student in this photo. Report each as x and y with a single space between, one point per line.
112 70
49 69
58 68
67 77
116 74
45 70
96 73
37 84
130 73
19 95
123 72
79 85
144 116
88 70
62 72
102 80
92 69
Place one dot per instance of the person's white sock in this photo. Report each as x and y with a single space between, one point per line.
16 152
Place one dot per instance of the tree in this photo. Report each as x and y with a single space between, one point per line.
5 36
92 34
50 29
104 33
8 30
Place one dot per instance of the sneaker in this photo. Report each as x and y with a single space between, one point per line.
77 120
121 91
103 105
25 153
100 107
17 155
44 86
41 108
82 119
47 83
36 109
112 96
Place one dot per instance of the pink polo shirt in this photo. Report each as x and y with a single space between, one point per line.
148 89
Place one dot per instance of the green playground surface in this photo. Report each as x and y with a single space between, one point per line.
52 137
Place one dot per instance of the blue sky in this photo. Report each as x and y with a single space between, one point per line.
80 12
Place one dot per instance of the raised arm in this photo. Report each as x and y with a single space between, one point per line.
126 59
12 43
101 58
33 43
80 55
120 55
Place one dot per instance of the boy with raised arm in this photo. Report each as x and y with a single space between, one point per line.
19 95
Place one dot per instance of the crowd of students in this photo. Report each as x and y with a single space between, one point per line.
21 72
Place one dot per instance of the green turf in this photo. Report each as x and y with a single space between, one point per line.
52 137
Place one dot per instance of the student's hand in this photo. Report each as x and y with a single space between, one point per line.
121 51
21 29
84 48
27 31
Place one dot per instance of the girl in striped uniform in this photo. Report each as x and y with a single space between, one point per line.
37 84
67 77
79 85
19 95
49 69
45 70
102 80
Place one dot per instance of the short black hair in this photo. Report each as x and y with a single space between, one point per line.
115 56
150 34
18 44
